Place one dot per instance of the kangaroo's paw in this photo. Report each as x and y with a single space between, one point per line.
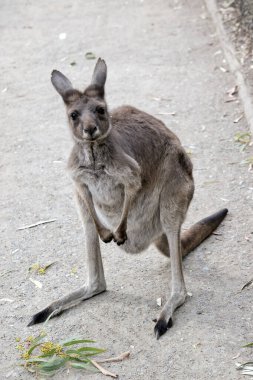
162 326
120 236
105 235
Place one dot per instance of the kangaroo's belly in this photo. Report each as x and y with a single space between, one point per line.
108 199
143 222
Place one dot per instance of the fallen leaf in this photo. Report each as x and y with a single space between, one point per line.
238 118
159 302
230 100
167 113
90 55
160 99
233 91
248 284
40 269
243 137
36 283
6 300
223 69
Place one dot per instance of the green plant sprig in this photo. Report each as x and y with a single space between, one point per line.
246 368
243 138
45 357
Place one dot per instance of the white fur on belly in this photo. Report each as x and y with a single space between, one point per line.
104 220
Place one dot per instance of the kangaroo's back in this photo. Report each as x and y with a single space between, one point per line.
145 138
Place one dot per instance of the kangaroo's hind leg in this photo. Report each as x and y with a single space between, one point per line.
173 209
162 245
95 283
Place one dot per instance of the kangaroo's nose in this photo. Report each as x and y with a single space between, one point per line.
90 130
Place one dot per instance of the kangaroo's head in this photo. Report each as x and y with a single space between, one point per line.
87 111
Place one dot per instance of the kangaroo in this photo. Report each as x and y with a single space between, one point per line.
133 182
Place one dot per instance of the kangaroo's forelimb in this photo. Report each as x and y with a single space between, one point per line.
84 193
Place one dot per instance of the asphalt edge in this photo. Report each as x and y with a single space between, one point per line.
230 56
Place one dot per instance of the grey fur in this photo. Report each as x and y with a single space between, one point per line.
133 183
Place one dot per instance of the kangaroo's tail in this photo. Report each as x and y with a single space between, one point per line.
192 237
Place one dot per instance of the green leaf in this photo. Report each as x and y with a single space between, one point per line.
72 352
246 368
85 351
78 359
90 55
87 366
49 265
75 341
241 366
52 364
93 350
32 348
36 360
249 345
36 342
80 365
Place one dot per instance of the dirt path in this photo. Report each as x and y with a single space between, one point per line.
163 57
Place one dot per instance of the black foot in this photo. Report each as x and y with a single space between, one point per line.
161 327
40 317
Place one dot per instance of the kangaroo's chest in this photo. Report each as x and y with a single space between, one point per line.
107 195
96 170
106 190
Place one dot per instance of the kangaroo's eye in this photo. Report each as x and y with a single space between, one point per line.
100 110
74 115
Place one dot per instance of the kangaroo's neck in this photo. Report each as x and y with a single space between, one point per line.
94 154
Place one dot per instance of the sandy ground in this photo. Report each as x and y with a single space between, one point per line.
163 57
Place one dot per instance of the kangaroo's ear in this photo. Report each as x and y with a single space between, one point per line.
60 82
99 74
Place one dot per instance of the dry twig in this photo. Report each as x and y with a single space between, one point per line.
37 224
103 370
119 358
